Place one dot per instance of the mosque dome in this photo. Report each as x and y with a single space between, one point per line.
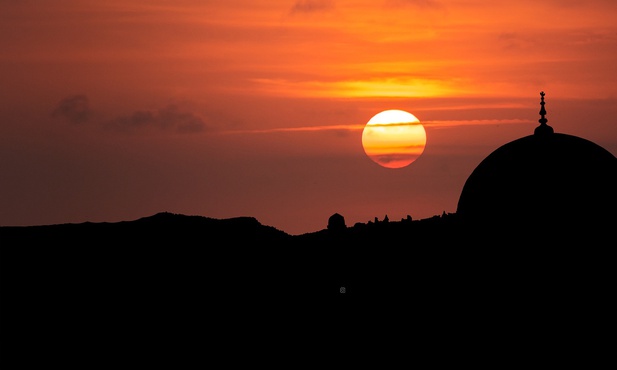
546 182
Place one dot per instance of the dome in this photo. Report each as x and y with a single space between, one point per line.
336 222
545 181
538 221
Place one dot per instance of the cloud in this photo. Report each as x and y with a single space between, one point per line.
514 40
353 127
395 124
360 127
312 6
418 3
475 122
74 109
167 118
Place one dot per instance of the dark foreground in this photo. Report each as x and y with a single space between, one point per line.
171 288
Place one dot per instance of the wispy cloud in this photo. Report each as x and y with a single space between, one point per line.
355 127
475 122
402 86
167 118
74 109
417 3
360 127
312 6
394 124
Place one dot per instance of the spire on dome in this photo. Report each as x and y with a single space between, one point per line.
543 129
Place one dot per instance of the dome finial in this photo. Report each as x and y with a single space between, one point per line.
542 120
543 128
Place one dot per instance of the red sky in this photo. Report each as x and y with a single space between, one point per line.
116 110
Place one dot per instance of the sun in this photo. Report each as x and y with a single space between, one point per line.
393 138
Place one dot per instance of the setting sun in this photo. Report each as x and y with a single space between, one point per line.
393 138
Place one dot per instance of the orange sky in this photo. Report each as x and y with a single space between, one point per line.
115 110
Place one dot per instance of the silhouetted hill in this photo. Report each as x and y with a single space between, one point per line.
160 228
168 275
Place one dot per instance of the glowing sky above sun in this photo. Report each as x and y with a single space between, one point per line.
119 109
393 138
